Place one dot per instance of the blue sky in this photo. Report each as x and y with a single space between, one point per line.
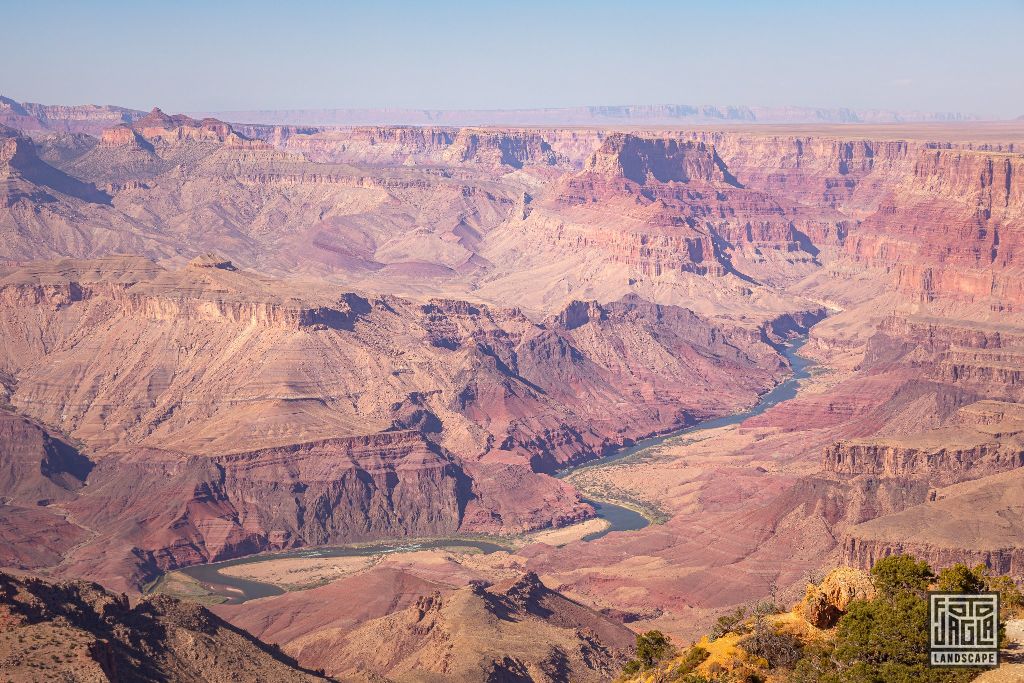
193 56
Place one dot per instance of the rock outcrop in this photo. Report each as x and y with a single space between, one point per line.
942 462
488 365
953 364
28 180
518 630
497 150
513 148
155 511
38 471
159 128
825 603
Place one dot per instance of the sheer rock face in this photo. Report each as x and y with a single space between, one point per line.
961 436
86 118
503 150
176 510
149 511
519 628
79 631
953 229
967 437
975 522
943 462
665 160
663 217
514 148
980 439
944 219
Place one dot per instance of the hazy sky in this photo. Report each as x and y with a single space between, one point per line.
196 56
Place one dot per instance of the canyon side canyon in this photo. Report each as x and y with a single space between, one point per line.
223 339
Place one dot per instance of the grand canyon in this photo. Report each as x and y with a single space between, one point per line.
375 396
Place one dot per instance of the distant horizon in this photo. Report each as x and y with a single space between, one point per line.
614 105
636 114
607 114
556 107
941 56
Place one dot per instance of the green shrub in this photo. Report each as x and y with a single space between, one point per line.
651 648
884 640
962 579
898 574
1011 600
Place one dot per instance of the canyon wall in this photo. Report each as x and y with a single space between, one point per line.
401 331
86 118
358 418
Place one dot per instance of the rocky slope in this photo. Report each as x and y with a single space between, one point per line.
36 471
77 631
195 186
513 628
469 406
28 178
943 218
460 361
151 512
45 212
664 218
156 127
519 630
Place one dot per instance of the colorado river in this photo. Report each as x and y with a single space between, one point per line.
618 518
238 590
624 519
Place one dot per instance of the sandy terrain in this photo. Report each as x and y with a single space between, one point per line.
300 572
569 534
184 587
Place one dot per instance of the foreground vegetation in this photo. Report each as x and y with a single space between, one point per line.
879 633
